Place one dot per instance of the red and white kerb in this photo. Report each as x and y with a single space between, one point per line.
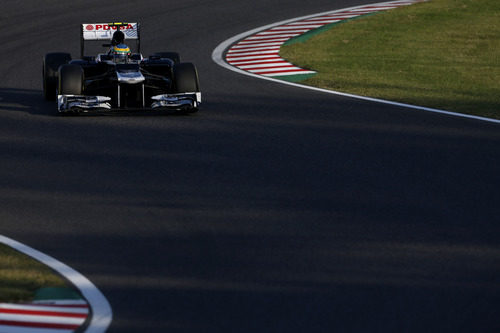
259 53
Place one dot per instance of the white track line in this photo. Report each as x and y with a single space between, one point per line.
101 310
218 57
13 329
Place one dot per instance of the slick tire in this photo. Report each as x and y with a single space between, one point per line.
70 80
186 80
50 72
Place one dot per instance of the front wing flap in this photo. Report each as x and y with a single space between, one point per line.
75 103
176 101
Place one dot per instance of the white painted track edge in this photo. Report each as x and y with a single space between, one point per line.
101 313
218 58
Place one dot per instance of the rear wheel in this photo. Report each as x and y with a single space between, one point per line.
70 80
174 56
50 67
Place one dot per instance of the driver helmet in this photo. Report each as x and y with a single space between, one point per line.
121 53
118 38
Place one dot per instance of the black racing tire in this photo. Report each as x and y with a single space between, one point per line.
50 68
70 80
174 56
186 78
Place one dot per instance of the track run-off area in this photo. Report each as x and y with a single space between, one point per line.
259 52
256 52
273 209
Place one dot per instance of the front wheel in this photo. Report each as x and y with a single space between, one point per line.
50 66
186 78
70 80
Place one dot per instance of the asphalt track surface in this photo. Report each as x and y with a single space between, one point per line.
274 209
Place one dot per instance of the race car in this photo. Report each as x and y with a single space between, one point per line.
119 78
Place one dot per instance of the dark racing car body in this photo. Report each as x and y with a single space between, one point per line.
105 83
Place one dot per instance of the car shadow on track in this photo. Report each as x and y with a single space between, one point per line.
25 100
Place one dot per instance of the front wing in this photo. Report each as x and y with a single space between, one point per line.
85 104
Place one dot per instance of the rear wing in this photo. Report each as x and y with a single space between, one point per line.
104 32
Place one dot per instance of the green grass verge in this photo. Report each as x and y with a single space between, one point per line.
21 276
443 54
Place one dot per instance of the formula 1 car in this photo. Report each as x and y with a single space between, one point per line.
119 79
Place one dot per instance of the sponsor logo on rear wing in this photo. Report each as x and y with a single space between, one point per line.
104 31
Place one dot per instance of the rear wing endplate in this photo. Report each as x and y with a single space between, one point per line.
104 32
